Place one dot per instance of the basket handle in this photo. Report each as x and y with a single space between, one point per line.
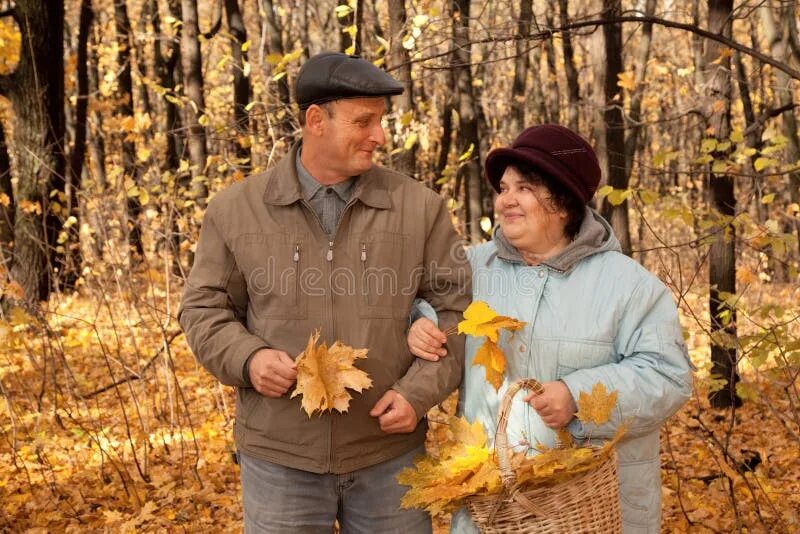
501 438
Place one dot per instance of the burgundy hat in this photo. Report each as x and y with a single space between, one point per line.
555 150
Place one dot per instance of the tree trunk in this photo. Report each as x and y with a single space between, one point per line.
36 92
538 79
469 173
446 142
635 113
550 81
275 46
170 76
241 84
147 15
97 146
98 181
614 125
130 169
397 62
779 41
193 88
521 68
573 91
697 46
722 258
358 40
78 154
346 42
6 206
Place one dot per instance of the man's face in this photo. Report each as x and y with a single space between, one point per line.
351 132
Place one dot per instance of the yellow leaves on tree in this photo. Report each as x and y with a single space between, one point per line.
596 407
464 466
481 320
323 374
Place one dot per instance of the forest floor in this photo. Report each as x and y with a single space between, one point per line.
154 453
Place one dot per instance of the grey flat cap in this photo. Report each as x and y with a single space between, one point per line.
331 76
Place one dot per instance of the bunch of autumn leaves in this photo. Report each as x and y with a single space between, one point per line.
325 373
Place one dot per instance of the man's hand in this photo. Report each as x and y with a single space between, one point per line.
394 413
426 341
555 405
272 372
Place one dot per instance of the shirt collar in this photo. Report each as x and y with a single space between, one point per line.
311 187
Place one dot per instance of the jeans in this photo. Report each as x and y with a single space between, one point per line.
280 499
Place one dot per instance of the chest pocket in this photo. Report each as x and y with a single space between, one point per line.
272 265
381 282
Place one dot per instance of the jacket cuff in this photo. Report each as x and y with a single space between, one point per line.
240 356
246 368
420 410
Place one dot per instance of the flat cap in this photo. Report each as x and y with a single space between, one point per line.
330 76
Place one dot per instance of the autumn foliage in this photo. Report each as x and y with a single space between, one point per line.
107 422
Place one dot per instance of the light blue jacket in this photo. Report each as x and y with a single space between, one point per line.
593 315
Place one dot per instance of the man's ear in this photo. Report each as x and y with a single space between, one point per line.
315 119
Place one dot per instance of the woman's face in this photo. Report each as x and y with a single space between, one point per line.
527 215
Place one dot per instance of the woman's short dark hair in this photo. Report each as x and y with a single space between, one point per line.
561 196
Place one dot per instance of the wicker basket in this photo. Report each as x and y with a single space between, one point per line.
586 503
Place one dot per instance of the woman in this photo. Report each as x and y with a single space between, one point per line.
593 315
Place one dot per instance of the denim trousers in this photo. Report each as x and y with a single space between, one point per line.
280 499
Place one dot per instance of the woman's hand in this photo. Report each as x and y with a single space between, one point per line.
554 405
426 341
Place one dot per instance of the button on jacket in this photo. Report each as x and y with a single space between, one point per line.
266 274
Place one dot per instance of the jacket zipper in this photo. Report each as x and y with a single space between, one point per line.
365 290
329 257
331 318
296 259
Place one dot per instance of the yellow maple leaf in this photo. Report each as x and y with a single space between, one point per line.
323 374
595 407
481 320
493 359
467 434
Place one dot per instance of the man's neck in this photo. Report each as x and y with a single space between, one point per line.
320 172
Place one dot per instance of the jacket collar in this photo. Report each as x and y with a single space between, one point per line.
283 185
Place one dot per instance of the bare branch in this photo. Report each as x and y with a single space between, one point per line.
768 114
548 33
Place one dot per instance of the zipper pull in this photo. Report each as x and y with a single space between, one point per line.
329 256
363 252
297 252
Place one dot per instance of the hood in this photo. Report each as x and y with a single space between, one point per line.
595 235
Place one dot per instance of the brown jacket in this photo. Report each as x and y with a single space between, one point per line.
266 275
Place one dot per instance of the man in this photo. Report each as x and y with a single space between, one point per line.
327 240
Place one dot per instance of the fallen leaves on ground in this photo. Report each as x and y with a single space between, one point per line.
323 374
69 463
